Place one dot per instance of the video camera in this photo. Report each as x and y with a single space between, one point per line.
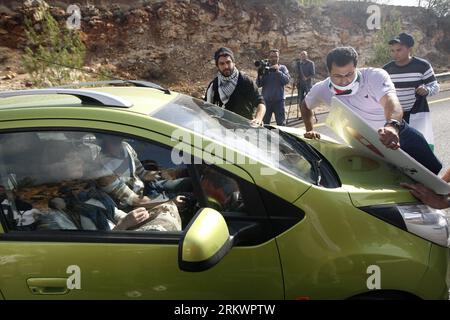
263 67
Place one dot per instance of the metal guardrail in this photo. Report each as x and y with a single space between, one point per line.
443 76
439 77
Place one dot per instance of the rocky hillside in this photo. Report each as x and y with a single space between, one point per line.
172 42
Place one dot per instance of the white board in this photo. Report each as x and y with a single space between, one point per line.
358 134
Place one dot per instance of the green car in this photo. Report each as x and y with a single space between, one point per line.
198 204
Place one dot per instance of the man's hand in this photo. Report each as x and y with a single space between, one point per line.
132 219
426 195
389 137
256 122
275 67
180 201
422 90
312 135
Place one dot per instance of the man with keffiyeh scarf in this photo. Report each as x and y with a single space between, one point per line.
234 90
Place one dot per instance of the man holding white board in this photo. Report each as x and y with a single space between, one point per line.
369 93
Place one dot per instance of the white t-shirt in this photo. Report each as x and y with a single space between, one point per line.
374 84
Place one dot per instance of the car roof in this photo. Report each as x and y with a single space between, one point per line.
141 100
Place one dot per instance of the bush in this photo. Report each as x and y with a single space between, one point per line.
53 55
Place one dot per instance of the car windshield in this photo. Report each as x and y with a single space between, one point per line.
232 130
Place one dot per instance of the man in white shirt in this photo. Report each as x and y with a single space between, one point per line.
370 93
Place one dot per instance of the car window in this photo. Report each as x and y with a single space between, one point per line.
90 181
218 124
222 192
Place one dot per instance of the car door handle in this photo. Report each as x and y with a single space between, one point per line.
48 285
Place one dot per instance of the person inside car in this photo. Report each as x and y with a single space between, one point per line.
124 177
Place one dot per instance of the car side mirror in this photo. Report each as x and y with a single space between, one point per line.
205 241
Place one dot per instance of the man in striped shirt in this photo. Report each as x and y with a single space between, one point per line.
414 80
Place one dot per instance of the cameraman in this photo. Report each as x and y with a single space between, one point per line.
233 90
272 82
304 71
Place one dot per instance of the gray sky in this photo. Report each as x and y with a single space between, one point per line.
402 2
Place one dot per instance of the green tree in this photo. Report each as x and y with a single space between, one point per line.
381 53
54 54
311 3
440 8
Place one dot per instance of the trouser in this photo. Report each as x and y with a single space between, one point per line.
302 89
414 144
276 107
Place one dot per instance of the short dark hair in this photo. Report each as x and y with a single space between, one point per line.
341 56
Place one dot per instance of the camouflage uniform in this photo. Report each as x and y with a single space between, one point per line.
164 217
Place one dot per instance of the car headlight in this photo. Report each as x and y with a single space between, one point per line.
419 219
428 223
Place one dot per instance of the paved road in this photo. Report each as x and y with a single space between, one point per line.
440 114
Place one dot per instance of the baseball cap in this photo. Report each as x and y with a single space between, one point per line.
403 38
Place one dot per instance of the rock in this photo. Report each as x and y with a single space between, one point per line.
9 76
90 10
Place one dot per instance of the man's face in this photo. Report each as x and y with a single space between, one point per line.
274 57
303 55
113 146
225 65
342 76
400 53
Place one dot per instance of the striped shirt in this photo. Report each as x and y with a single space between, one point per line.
407 78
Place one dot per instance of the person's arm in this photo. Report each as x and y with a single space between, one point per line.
119 191
427 196
311 71
258 101
260 112
208 93
430 86
389 134
307 116
284 75
133 218
314 97
383 90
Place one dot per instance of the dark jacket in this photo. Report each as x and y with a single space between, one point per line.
273 83
304 70
244 99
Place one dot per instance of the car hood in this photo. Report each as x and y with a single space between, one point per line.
367 180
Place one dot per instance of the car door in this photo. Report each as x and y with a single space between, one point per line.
45 253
